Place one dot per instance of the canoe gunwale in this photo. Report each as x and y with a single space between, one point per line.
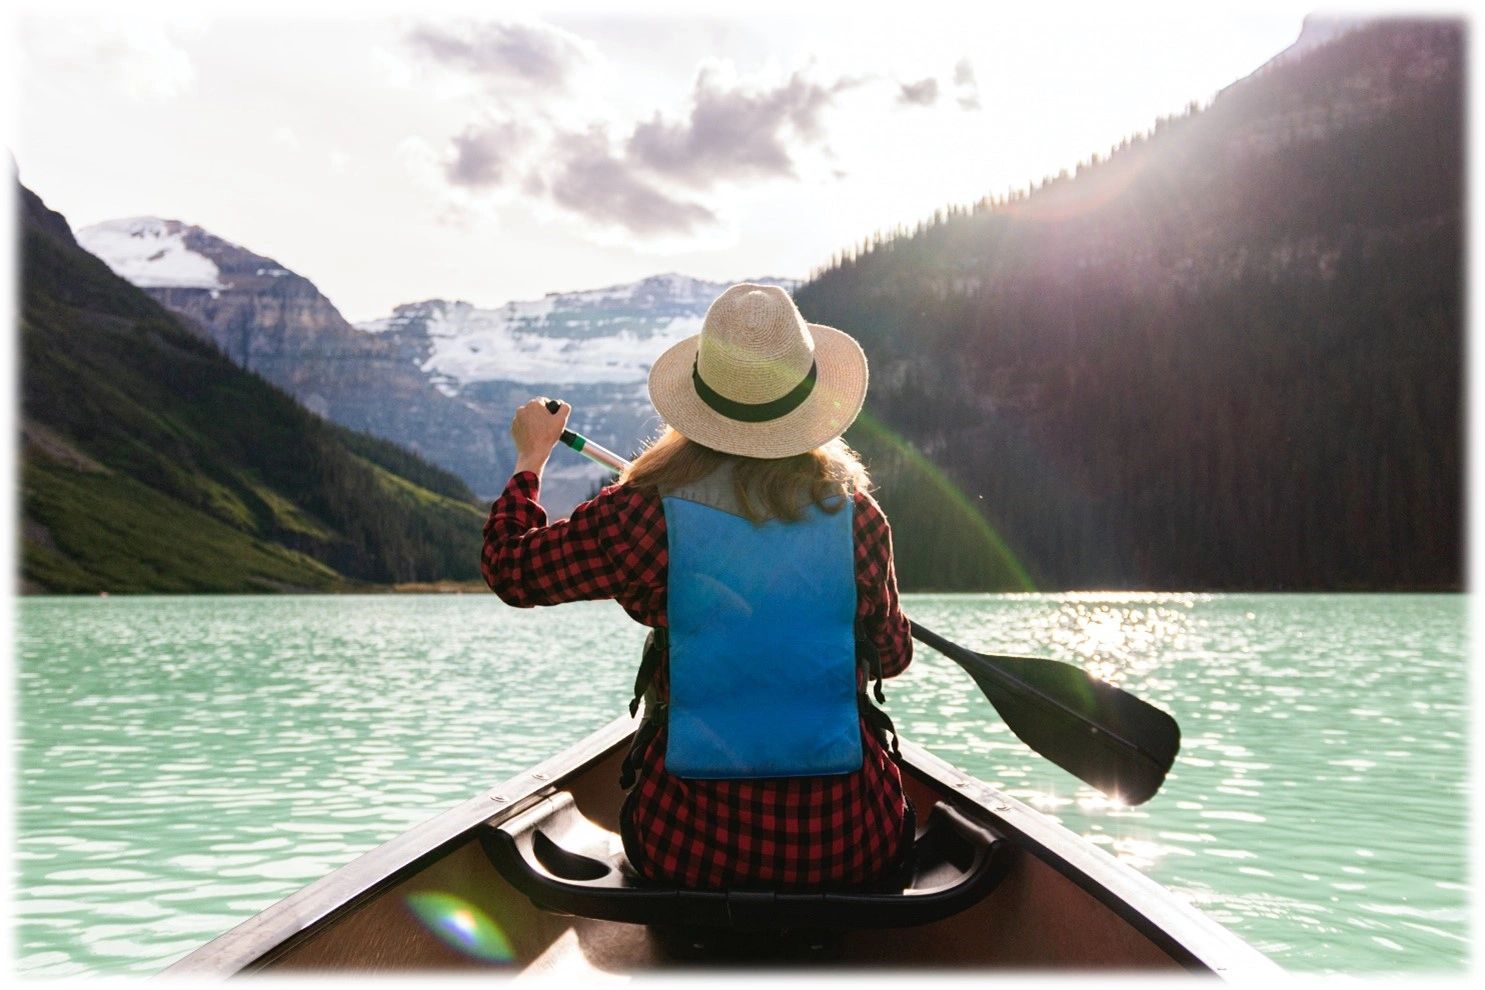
274 930
1188 937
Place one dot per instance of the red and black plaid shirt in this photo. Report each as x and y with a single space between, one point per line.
800 831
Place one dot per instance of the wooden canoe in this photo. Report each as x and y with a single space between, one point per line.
431 899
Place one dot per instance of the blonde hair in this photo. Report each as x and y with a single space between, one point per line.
765 488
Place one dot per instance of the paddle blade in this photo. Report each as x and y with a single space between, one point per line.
1099 733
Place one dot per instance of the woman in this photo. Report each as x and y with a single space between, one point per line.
745 538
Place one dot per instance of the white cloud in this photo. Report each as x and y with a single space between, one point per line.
510 56
595 182
541 126
731 129
737 129
488 154
455 206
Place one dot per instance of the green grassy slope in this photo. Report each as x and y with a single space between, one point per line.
152 463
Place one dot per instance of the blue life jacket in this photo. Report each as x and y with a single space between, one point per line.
762 643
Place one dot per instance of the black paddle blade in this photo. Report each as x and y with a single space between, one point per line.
1099 733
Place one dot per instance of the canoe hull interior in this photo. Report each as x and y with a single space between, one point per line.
431 900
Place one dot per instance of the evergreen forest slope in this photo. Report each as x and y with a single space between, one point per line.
1226 355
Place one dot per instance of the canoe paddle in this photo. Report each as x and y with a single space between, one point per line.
1101 734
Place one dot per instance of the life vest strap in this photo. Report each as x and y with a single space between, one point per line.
867 652
881 723
656 643
643 736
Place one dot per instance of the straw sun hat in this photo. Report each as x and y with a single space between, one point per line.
758 380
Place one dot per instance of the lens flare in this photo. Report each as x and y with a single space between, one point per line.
876 434
462 926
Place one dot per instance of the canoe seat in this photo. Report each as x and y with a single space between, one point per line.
565 863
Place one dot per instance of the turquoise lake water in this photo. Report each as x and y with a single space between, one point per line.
183 763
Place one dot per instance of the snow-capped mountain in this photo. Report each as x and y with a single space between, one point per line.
438 377
275 322
597 336
592 348
152 253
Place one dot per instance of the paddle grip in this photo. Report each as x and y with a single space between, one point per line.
567 435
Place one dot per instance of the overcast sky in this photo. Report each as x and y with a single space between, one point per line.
456 152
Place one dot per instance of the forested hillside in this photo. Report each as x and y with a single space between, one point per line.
152 463
1225 355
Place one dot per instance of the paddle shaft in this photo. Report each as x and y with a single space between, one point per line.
1069 680
597 453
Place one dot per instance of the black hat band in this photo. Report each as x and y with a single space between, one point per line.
754 412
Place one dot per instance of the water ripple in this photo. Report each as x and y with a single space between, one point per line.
185 762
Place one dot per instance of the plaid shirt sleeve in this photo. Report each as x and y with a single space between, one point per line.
877 610
609 545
